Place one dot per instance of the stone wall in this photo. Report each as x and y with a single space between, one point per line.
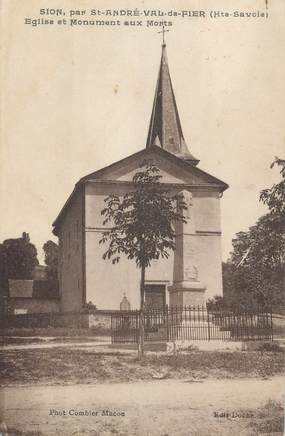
98 321
32 305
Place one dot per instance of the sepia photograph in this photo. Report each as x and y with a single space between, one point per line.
142 237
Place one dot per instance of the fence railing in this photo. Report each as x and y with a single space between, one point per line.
192 323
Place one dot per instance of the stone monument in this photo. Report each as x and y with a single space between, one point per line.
187 288
125 304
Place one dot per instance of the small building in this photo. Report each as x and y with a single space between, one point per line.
40 272
32 296
193 272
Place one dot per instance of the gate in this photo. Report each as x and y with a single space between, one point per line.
191 323
125 326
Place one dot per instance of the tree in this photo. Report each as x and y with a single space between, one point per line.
142 225
254 274
258 260
21 257
274 197
51 259
18 258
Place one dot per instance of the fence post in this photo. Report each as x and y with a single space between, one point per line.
208 321
167 328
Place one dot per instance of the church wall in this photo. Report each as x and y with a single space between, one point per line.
207 212
208 236
106 283
209 262
71 256
168 171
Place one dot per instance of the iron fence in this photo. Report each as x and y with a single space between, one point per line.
191 323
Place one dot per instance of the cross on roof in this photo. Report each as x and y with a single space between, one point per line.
163 31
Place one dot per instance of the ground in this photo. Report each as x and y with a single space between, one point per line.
164 394
161 407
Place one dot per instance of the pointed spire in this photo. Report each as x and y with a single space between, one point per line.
165 127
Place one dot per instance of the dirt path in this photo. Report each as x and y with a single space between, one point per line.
56 344
162 407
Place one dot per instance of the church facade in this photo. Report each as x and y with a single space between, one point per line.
193 272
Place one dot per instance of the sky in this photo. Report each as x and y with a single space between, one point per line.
77 98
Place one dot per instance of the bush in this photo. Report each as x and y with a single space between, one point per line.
270 346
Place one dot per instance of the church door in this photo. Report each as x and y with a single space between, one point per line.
154 296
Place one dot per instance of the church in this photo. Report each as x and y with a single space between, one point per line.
193 272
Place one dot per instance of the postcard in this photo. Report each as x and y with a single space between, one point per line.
142 227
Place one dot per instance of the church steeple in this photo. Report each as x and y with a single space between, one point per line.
165 128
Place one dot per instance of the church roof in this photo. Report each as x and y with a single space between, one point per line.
108 173
165 128
145 154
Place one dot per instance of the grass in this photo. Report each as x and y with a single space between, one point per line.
268 419
67 365
54 332
16 432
